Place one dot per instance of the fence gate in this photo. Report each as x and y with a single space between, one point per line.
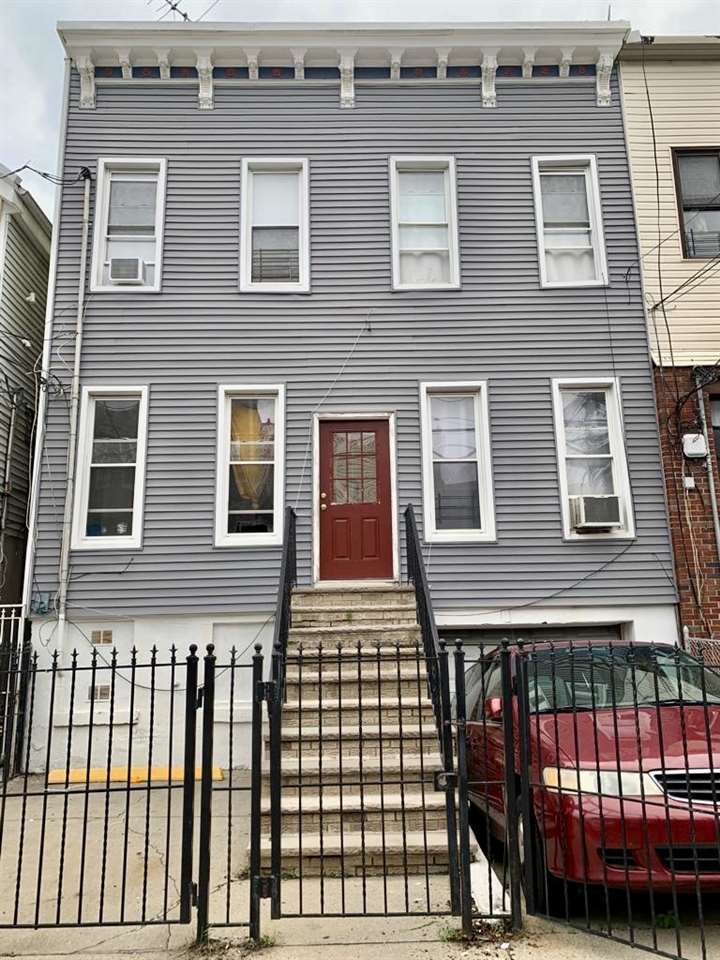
619 761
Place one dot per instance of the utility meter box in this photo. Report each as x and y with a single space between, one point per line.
694 446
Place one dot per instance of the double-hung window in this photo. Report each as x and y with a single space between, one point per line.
424 223
571 246
129 218
456 462
249 505
111 468
697 176
274 228
594 480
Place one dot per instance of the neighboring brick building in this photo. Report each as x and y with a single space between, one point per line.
671 93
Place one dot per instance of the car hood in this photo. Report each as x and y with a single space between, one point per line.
647 738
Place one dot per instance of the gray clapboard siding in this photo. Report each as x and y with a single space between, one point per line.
500 327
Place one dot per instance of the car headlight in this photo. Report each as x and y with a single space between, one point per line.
609 783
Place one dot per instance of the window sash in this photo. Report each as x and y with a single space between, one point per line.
425 248
271 466
477 466
570 253
93 470
697 243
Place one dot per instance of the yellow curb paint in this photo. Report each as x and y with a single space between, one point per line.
121 775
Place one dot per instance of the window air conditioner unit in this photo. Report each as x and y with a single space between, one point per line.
127 270
594 514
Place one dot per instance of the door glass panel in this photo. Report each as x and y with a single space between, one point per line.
353 468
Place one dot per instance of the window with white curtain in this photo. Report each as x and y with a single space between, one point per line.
424 223
111 468
571 247
274 225
591 451
250 465
456 462
129 217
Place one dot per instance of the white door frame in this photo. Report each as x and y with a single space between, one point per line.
353 415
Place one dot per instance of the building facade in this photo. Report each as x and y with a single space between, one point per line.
347 271
671 94
24 255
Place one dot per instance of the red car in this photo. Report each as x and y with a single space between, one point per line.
624 755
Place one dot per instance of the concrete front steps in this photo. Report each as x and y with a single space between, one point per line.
359 740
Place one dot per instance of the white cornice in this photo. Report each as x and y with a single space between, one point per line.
299 46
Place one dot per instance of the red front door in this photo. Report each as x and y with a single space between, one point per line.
355 508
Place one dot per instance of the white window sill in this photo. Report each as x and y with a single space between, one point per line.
274 288
124 288
459 536
242 540
574 286
400 287
107 543
570 537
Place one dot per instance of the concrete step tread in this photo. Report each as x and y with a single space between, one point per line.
353 606
354 629
434 841
383 702
354 731
354 588
368 671
351 803
309 764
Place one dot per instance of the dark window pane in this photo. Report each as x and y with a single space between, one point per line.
250 522
457 499
251 487
702 232
699 179
132 207
111 488
114 451
275 254
116 418
109 524
715 414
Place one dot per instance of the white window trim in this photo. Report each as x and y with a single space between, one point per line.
225 393
621 476
250 165
79 540
434 163
106 167
485 479
589 163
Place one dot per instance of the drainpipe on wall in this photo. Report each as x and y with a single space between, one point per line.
64 572
709 463
7 480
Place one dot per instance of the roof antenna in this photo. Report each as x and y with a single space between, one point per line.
609 11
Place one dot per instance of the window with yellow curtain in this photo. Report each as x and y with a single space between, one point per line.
251 482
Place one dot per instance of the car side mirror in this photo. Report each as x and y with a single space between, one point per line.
494 708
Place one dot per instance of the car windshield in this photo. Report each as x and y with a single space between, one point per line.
603 676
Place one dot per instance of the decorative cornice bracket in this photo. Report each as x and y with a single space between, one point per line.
443 55
528 62
163 59
603 72
205 79
488 71
396 55
86 69
566 58
298 55
252 54
347 79
123 55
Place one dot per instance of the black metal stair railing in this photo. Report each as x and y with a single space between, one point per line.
283 620
436 660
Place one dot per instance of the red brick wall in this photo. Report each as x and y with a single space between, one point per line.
690 511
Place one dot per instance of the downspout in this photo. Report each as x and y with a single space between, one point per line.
7 478
64 572
45 368
708 463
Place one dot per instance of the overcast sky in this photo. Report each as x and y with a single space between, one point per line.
32 55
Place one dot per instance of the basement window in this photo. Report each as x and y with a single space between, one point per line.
274 226
111 468
249 500
571 246
129 220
